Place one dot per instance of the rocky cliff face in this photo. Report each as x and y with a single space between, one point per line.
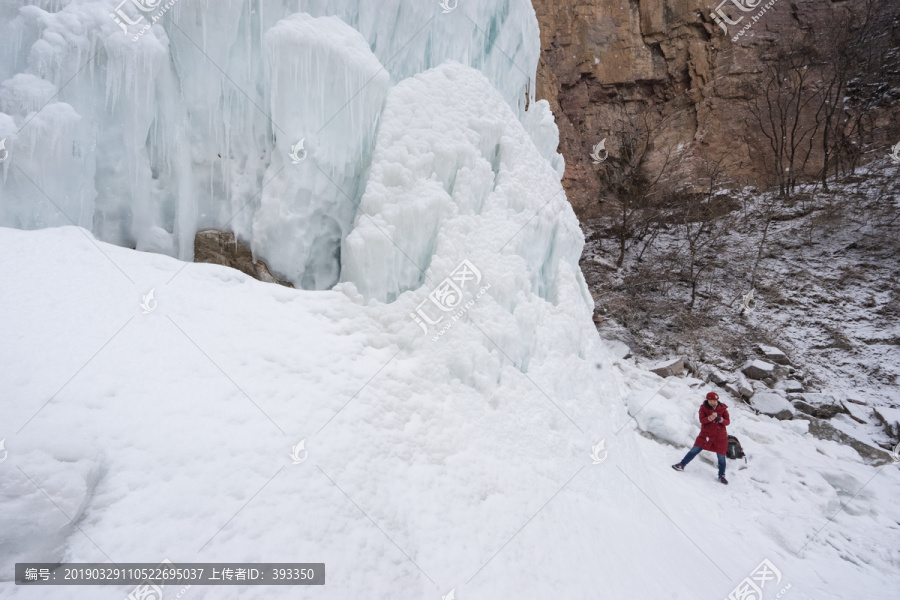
664 53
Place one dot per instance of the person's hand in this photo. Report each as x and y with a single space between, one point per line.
713 416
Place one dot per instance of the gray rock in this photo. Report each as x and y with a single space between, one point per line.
602 262
825 431
855 412
673 366
773 404
711 373
889 418
743 386
717 377
790 386
759 386
774 355
758 369
819 412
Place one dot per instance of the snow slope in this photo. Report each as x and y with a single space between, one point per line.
437 461
432 465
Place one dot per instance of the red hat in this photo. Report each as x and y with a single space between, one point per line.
712 396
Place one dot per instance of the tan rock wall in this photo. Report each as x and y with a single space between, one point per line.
661 52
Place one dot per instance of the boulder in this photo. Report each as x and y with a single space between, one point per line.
791 386
819 398
743 386
774 405
602 262
758 369
711 373
820 412
667 368
717 377
759 386
889 418
825 431
221 248
774 355
856 412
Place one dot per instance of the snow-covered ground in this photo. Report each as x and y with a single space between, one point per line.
463 426
431 465
826 294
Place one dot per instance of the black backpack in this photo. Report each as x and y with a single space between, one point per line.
734 448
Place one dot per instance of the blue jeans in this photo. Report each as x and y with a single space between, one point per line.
695 451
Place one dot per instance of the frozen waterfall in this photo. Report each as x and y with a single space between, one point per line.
145 121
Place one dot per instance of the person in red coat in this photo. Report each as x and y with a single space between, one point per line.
713 435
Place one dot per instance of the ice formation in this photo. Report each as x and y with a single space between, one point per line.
153 134
451 157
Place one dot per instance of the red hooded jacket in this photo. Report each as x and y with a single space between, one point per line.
713 436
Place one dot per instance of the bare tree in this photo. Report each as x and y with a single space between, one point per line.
855 63
780 108
704 217
637 174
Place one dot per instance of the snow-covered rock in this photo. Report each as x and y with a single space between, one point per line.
889 419
758 369
667 368
599 260
618 349
711 373
791 386
772 404
744 387
773 354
